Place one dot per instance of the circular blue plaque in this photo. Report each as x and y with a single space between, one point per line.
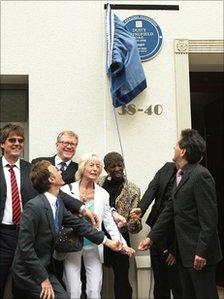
147 33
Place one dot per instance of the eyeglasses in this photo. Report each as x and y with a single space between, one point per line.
14 140
66 143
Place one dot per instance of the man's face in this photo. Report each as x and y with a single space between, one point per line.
66 147
56 178
13 146
178 153
115 170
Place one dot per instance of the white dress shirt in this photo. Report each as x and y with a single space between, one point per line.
58 160
52 201
7 216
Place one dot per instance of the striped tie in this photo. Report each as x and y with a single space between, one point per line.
63 166
16 209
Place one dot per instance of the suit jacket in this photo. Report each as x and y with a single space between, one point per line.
27 190
155 191
102 210
36 240
68 175
193 207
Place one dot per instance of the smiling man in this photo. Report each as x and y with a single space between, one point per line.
16 190
66 144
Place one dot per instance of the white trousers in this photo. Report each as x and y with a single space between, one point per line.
72 273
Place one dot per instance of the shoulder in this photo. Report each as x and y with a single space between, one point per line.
25 164
35 203
133 187
168 165
102 180
67 188
201 171
50 159
101 190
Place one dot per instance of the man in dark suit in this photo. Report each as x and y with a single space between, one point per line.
163 261
41 219
66 144
16 190
193 207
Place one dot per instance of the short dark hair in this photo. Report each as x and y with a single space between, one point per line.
111 158
16 128
194 144
39 176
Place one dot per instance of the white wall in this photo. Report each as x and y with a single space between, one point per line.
61 46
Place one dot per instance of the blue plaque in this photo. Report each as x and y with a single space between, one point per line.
147 33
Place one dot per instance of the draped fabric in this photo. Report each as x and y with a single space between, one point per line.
124 66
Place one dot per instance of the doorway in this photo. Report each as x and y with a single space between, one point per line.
207 114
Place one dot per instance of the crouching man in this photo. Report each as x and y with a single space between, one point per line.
42 217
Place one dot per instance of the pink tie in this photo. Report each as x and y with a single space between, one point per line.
16 209
179 176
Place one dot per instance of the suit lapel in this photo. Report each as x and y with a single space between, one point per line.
186 175
49 213
98 205
2 179
23 177
2 185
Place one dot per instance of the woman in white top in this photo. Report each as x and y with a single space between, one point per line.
97 200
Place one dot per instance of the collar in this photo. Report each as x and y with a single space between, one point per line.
58 160
51 198
5 162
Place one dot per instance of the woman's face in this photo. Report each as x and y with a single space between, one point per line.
116 170
92 170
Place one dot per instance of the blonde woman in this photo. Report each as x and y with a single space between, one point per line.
97 200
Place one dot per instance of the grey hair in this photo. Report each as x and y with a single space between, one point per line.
82 162
68 133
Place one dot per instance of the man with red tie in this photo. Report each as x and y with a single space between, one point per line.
16 190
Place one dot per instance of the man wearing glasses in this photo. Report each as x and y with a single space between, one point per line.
16 190
66 145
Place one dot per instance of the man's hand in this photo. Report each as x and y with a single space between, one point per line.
136 213
128 250
113 245
170 258
199 262
119 220
145 244
47 291
92 217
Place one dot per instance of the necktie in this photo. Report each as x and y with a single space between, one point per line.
16 209
63 166
179 175
56 219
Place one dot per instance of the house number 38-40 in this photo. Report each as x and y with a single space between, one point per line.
131 109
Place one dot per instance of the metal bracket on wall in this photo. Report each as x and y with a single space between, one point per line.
142 7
